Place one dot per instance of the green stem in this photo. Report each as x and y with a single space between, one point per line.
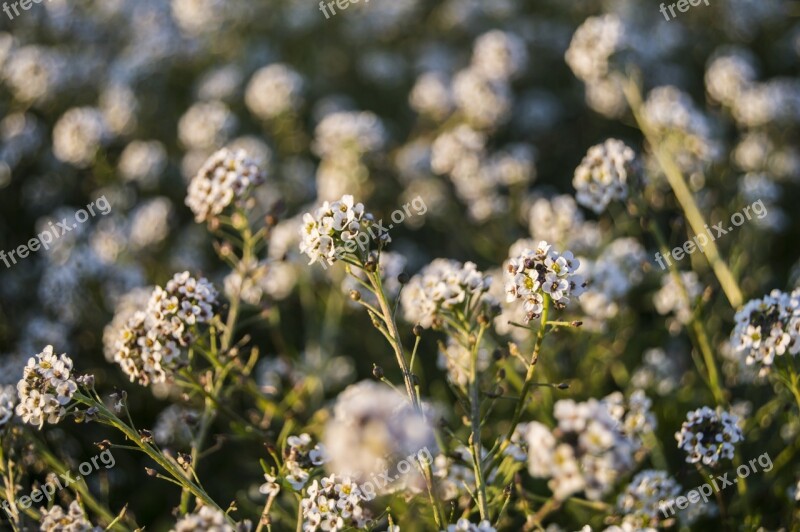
684 197
475 419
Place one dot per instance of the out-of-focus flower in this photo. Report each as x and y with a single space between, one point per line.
431 96
681 127
207 519
672 299
206 125
604 175
456 359
73 520
143 162
592 46
709 436
499 55
46 388
173 426
442 286
464 525
78 134
639 503
343 133
728 74
595 444
274 90
372 428
8 399
226 178
485 102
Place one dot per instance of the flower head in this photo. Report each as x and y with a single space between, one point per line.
74 520
148 346
46 388
226 178
709 435
338 229
441 287
604 175
535 273
768 327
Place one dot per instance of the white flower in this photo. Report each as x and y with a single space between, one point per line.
333 231
148 346
463 525
78 134
270 487
333 504
226 177
441 287
768 327
539 271
348 133
640 503
274 90
604 175
593 446
74 520
207 519
373 427
46 388
709 435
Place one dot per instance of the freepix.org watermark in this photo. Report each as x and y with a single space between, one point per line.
683 7
700 241
415 207
48 236
667 508
59 482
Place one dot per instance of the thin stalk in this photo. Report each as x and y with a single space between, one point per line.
684 197
475 420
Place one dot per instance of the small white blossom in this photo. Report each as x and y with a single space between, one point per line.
542 271
604 175
709 436
226 177
442 286
46 388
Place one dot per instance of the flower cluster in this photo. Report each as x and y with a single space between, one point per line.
442 286
46 387
535 273
373 427
336 229
226 177
148 346
595 444
300 457
709 435
74 520
207 519
639 503
333 504
604 175
768 327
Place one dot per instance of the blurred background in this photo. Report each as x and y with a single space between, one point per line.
126 99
